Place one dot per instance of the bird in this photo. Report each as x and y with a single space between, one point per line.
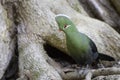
80 47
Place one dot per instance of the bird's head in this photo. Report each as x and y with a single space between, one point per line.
64 22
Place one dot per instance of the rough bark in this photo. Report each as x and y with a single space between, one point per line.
38 18
7 41
104 10
36 26
33 59
42 23
116 4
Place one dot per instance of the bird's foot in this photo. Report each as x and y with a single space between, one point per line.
86 72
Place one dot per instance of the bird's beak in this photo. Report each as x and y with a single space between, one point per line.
60 30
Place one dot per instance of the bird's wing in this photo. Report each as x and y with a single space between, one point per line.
93 46
101 56
93 49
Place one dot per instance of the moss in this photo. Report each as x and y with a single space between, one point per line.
35 75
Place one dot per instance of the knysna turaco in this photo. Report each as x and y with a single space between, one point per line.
81 48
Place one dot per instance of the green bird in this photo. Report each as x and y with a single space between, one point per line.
81 48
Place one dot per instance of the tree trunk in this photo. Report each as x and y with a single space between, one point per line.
28 25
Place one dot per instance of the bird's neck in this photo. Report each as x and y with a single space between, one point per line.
72 35
71 31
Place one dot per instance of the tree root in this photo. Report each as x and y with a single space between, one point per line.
87 74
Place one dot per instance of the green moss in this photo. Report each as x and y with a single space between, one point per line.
36 75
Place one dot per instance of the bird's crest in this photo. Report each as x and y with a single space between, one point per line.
62 15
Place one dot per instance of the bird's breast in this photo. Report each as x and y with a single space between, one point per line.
77 44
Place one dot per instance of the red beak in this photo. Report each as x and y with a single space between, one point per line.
60 30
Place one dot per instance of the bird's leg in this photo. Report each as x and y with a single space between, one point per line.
87 66
85 71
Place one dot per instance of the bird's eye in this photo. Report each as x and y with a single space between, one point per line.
65 26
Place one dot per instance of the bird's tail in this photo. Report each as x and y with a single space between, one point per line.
105 57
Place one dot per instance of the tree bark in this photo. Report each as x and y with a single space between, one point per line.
33 59
104 10
7 41
30 24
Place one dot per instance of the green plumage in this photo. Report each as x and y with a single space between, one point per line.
81 48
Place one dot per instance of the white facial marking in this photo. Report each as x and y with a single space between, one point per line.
67 26
62 15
